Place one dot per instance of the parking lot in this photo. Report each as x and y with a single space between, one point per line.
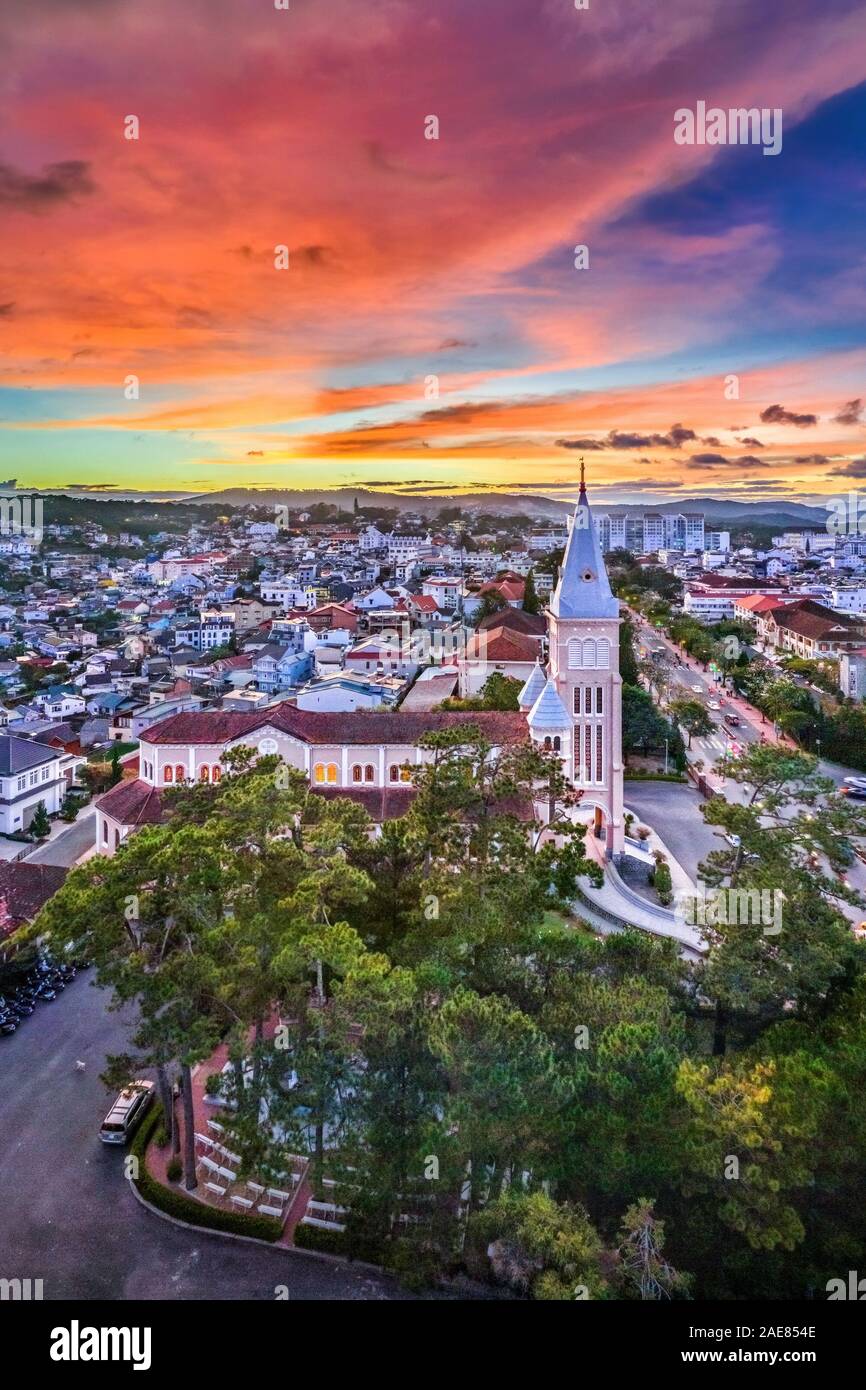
67 1214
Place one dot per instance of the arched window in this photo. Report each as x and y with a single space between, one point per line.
394 774
204 774
405 774
369 773
117 839
557 743
319 772
357 772
574 654
547 742
603 653
168 774
590 656
332 772
180 773
215 773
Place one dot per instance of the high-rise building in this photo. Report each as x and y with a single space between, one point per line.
645 532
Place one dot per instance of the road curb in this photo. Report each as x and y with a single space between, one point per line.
254 1240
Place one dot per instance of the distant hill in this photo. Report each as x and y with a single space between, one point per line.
723 513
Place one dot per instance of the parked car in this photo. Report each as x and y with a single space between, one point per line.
126 1113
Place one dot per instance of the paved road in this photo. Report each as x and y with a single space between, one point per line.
69 846
67 1215
671 808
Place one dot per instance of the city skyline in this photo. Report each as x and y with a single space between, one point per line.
431 332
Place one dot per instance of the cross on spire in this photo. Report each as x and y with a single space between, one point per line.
582 475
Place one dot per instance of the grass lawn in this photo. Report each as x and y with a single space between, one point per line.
564 922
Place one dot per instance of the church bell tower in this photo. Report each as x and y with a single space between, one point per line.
579 710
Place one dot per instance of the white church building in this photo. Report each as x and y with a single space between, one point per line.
571 705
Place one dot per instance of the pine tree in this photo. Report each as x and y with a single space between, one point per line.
531 602
40 824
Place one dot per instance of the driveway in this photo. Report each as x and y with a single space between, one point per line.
671 808
67 1214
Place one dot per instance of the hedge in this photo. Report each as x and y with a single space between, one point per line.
346 1244
640 776
177 1203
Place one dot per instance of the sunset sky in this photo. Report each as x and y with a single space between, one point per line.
412 258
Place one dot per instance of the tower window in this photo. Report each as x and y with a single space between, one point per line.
587 699
599 699
599 753
576 697
587 751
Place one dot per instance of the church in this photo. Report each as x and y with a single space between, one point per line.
572 705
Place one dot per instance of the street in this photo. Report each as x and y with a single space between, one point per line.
67 847
694 681
67 1214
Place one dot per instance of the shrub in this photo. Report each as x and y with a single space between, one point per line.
184 1208
174 1170
662 882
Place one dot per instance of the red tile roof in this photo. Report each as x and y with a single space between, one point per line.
534 624
380 803
132 803
24 889
361 727
496 644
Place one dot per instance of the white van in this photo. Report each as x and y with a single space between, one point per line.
126 1112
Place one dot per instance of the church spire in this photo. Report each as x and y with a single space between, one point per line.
583 590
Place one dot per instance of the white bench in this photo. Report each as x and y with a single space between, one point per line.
232 1158
204 1139
269 1211
216 1127
242 1202
216 1189
209 1164
325 1208
228 1175
323 1225
277 1195
257 1188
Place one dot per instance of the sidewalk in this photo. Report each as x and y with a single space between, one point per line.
615 900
